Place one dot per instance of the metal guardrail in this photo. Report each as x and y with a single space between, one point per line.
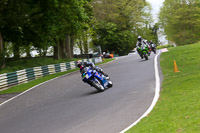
23 76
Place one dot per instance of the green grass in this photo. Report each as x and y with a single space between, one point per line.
26 86
15 65
178 108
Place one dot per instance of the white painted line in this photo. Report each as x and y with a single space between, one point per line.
156 96
33 88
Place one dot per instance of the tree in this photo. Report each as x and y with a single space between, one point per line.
2 22
118 23
78 15
14 16
110 38
2 55
127 14
42 24
180 20
155 33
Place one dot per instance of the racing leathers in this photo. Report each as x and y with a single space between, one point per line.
92 65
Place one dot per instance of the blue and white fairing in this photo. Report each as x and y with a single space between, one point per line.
89 73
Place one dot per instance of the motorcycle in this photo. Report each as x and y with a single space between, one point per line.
153 47
96 79
144 51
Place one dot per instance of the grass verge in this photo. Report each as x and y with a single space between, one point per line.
15 65
178 108
26 86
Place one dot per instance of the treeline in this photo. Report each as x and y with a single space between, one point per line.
114 25
181 21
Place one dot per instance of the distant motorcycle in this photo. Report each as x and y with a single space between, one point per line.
96 79
153 48
144 51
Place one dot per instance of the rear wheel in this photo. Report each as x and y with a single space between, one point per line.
97 84
154 51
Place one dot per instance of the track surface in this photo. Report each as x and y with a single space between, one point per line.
67 105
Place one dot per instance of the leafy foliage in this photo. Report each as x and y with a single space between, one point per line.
118 23
41 24
180 20
112 39
38 24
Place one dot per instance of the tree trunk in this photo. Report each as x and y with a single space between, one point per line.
68 46
81 47
40 52
16 51
2 54
56 52
85 45
28 51
44 53
63 52
72 46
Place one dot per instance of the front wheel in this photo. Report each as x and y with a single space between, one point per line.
110 84
97 84
145 56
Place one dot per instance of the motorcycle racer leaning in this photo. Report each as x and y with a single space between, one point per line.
82 65
153 46
139 43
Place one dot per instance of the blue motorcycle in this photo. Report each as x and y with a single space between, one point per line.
96 79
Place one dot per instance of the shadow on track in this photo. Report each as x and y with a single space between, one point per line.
92 93
95 92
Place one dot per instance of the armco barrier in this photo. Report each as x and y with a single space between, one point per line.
23 76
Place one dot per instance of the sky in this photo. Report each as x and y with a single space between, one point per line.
156 4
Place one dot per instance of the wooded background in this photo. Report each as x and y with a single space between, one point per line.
28 25
180 20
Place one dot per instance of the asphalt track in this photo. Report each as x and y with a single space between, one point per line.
67 105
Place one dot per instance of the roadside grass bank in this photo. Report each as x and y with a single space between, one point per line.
178 108
24 63
26 86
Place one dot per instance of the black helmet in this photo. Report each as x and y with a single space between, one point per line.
151 41
139 38
79 64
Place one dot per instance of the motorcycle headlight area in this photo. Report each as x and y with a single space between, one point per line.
87 76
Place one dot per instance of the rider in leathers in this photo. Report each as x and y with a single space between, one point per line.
139 43
82 65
